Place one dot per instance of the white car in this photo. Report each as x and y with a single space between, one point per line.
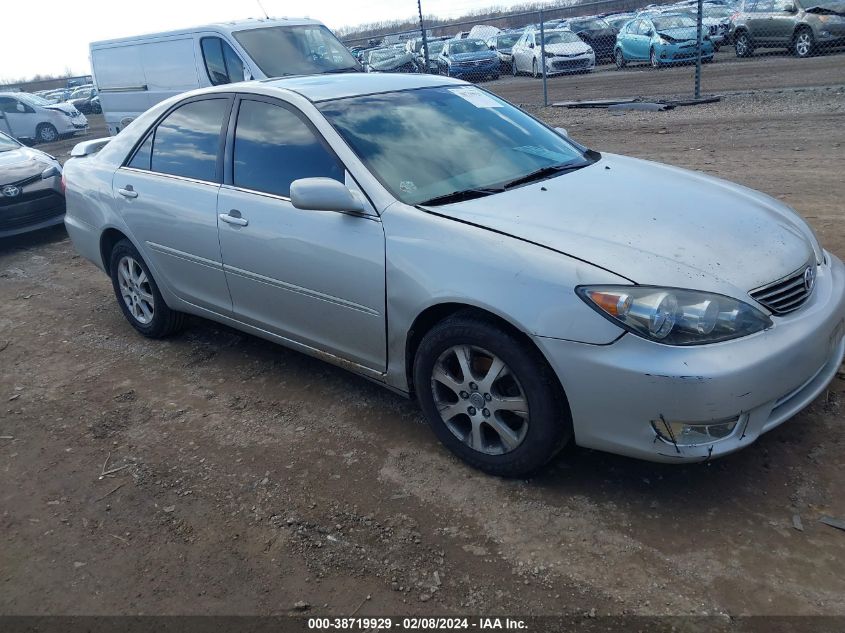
565 53
27 116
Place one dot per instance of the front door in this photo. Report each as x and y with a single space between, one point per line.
19 118
314 277
167 195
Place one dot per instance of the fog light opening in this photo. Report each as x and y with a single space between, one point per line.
694 433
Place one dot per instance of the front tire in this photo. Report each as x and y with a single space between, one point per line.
47 133
803 43
619 58
138 295
490 398
652 56
743 45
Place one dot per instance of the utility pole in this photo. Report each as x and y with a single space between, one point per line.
698 51
543 58
425 39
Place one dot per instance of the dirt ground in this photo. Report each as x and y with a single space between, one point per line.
252 477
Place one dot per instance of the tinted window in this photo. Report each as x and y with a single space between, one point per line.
141 159
7 104
222 63
187 141
274 147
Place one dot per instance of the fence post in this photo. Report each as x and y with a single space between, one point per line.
543 59
424 39
698 51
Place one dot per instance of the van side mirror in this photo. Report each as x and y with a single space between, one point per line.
323 194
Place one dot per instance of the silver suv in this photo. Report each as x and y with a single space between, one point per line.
802 26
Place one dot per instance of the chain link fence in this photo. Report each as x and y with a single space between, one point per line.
604 47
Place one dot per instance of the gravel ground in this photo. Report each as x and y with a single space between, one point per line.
252 478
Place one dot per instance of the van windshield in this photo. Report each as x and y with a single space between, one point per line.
296 50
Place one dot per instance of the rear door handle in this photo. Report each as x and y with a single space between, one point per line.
233 217
128 192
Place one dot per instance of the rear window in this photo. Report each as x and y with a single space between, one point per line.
187 141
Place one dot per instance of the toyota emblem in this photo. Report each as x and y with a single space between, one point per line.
10 191
809 278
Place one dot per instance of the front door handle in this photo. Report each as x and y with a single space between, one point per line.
128 192
233 217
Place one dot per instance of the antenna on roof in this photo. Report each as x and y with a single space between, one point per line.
263 10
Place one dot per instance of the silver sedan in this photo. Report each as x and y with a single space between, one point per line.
424 233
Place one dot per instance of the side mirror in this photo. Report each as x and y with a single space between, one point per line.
562 131
530 44
649 33
323 194
87 148
51 171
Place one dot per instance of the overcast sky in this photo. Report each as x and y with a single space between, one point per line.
47 36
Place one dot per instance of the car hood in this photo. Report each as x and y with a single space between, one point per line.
597 34
681 35
467 57
20 164
570 48
652 224
64 107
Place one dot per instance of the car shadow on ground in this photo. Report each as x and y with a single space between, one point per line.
32 240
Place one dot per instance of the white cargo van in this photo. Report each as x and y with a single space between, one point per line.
134 73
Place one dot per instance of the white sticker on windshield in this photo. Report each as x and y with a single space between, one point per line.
476 97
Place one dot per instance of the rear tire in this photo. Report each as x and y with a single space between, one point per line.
534 72
743 45
138 295
480 416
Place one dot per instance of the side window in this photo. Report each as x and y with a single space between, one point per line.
187 142
7 104
221 62
763 6
274 147
141 159
782 6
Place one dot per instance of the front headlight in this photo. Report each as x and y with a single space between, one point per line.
674 316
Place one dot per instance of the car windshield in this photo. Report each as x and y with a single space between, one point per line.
507 41
8 144
430 142
467 46
434 48
673 22
588 25
296 50
32 99
560 37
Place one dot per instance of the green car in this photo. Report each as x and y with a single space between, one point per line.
663 38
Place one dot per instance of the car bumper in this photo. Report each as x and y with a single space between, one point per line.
40 205
682 52
559 65
475 71
616 391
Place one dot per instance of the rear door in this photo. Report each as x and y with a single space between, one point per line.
783 21
761 21
167 195
314 277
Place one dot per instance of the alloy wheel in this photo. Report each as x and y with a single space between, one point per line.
136 290
803 44
480 400
48 134
742 45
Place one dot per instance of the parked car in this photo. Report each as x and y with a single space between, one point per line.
661 39
565 53
435 47
391 60
717 19
618 20
801 26
25 116
597 33
503 45
429 235
86 100
471 59
135 73
31 195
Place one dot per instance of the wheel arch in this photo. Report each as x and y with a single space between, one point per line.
437 313
108 239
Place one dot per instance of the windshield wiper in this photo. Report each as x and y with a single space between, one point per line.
461 195
347 69
544 172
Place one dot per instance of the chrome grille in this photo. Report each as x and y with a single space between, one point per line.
789 293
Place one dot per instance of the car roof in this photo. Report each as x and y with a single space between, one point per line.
227 27
339 86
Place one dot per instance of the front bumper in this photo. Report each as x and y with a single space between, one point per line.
476 72
682 52
615 391
560 64
39 205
